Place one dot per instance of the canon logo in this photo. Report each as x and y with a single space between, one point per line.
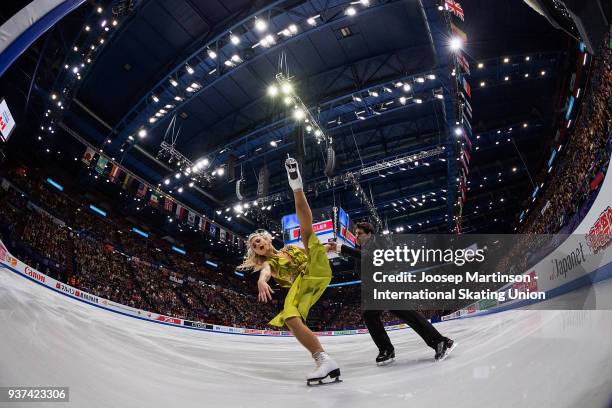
33 274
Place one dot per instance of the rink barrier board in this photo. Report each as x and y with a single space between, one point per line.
595 225
598 275
18 267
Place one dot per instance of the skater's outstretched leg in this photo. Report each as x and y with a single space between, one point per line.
302 208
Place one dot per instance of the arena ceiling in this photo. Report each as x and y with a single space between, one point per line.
347 68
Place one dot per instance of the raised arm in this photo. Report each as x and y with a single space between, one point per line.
265 291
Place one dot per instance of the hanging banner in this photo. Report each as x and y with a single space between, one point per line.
101 165
168 204
221 234
154 199
142 191
458 32
191 218
114 174
463 63
455 8
88 156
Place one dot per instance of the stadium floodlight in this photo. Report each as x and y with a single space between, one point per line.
456 44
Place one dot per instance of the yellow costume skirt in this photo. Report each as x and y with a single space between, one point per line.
307 287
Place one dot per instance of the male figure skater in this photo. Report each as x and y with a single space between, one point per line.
364 231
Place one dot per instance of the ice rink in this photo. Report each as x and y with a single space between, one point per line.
519 358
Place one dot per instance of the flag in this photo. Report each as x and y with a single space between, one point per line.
168 204
465 166
463 63
467 155
88 156
191 218
142 191
180 212
154 199
102 161
213 230
458 32
126 183
455 8
114 174
466 86
467 107
222 234
203 224
467 123
467 140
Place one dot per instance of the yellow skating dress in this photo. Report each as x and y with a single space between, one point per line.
306 277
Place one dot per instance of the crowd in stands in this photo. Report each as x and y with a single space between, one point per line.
576 175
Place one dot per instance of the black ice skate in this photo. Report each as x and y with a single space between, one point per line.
444 348
385 357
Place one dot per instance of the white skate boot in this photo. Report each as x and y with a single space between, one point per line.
326 367
293 173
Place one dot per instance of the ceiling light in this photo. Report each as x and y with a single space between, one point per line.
173 82
189 70
234 39
211 54
142 133
260 25
350 11
272 90
311 21
456 43
287 88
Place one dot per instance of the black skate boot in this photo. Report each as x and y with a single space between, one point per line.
444 348
385 357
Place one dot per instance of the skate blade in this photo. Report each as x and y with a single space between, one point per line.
334 376
385 363
448 352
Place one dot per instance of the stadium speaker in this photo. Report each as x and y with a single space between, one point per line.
240 189
231 168
263 182
330 164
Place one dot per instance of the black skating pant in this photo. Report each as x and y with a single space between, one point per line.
373 321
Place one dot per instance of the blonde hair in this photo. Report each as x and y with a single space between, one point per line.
252 260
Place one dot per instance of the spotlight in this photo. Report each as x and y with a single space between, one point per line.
298 114
350 11
292 29
177 176
189 70
406 87
456 44
220 171
142 133
260 25
272 90
287 88
273 143
234 39
167 181
211 54
458 131
173 82
180 190
311 21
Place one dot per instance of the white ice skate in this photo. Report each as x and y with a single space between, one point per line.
326 367
293 173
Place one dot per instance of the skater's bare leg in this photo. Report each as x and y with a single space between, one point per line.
304 335
304 215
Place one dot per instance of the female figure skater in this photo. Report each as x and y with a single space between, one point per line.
305 272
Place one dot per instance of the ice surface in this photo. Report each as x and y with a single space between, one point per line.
519 358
